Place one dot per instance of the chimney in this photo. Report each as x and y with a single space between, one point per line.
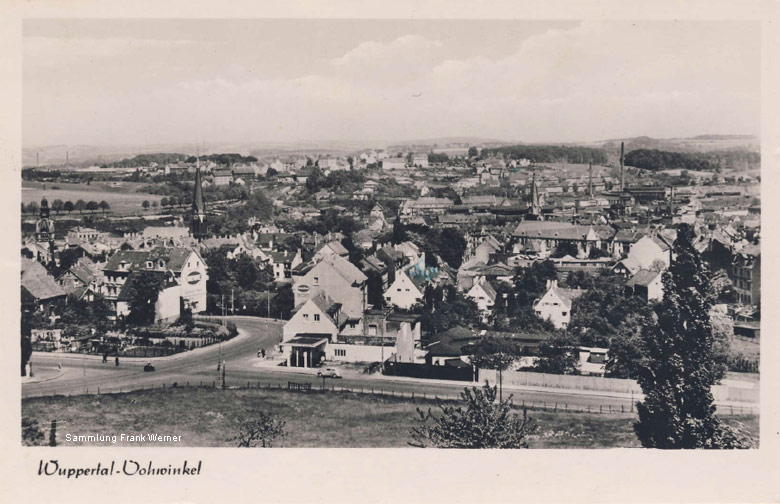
622 183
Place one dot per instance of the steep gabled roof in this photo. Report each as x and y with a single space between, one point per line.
643 277
37 281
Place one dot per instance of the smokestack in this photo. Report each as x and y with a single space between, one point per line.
622 183
590 179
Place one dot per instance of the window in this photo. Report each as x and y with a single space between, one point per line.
564 313
316 317
305 316
340 352
316 280
372 329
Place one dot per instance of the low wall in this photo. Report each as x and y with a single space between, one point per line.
562 381
721 393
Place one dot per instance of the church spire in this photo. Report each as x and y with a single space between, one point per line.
535 208
198 226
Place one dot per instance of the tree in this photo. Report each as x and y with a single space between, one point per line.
565 248
57 205
146 204
557 355
259 429
92 206
155 204
680 367
399 231
80 205
164 201
495 353
32 435
485 423
473 152
33 207
144 290
104 206
69 206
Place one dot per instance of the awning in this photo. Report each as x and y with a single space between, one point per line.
306 341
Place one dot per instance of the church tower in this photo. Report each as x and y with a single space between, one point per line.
198 223
44 228
536 202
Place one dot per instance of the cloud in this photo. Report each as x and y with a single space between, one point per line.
595 80
395 51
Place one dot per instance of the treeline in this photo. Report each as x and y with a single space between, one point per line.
224 159
345 181
654 159
549 153
146 160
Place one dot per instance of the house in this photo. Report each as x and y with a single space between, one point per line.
222 176
627 267
83 275
405 291
420 160
170 234
555 304
182 269
394 163
384 335
484 295
39 289
305 336
283 263
337 277
646 284
548 235
651 251
333 247
371 265
745 273
450 345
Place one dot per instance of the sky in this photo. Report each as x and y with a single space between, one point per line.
139 82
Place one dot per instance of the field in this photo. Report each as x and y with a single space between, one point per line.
121 199
313 419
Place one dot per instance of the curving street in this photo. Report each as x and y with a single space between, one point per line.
82 374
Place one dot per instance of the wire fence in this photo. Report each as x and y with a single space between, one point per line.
623 408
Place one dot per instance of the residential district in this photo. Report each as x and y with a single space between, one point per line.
390 261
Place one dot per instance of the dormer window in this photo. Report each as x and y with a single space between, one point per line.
161 263
149 264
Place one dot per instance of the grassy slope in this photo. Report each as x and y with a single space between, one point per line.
203 417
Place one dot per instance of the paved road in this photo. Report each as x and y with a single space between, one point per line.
82 374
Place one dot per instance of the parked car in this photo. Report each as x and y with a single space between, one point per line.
148 367
329 373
